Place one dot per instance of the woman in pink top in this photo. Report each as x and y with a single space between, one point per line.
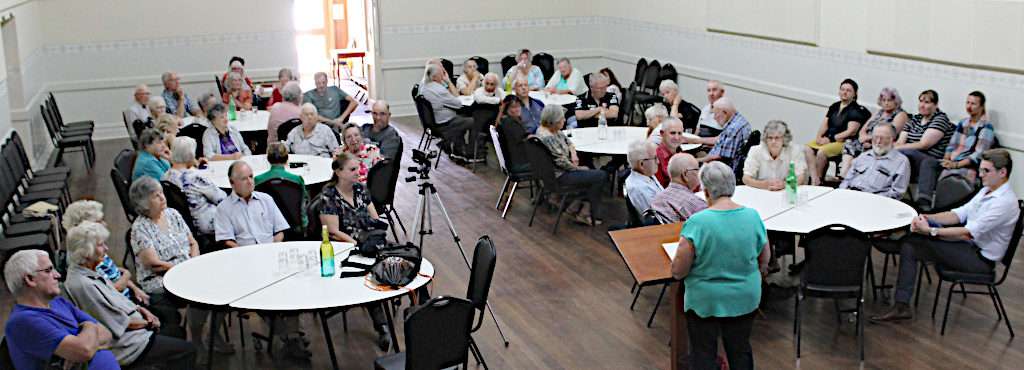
367 154
288 108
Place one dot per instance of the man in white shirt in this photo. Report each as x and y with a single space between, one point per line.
988 221
489 93
641 187
706 124
138 110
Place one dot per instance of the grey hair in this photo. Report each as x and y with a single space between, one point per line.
166 76
184 150
551 114
718 180
777 126
598 77
432 69
638 151
890 126
139 194
154 100
234 75
291 92
81 211
318 74
668 84
205 99
492 75
82 240
21 264
291 76
724 103
141 87
218 109
308 106
563 59
519 81
655 111
670 121
150 136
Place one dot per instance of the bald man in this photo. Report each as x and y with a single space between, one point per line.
381 133
678 201
137 111
735 131
706 124
671 138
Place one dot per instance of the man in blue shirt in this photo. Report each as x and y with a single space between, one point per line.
178 102
44 328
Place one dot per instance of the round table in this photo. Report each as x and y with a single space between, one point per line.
466 100
617 143
247 121
316 170
556 99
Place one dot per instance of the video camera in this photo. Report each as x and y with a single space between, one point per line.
422 160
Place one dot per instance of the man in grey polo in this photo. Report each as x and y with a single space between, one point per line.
881 170
328 101
380 133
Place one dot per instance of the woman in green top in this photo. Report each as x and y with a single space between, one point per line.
722 255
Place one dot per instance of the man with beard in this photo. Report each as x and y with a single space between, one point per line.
881 171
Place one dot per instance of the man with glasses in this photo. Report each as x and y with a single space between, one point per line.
641 187
678 201
671 138
881 170
728 146
380 133
44 328
988 220
178 102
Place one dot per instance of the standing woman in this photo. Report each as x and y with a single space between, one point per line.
722 255
890 110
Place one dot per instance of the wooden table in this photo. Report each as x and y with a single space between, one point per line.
641 250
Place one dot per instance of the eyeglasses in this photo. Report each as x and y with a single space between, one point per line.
380 114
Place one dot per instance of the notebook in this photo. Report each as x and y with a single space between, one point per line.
670 249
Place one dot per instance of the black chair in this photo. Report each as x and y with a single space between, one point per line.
124 163
415 90
638 74
51 172
121 186
628 106
286 127
220 86
194 131
450 68
60 118
511 177
546 63
952 192
586 78
288 196
987 279
507 62
131 131
382 181
485 257
431 130
314 226
437 336
753 139
70 140
177 200
668 72
482 65
5 355
647 90
835 264
542 166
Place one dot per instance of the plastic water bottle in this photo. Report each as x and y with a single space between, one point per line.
602 126
232 109
326 255
791 184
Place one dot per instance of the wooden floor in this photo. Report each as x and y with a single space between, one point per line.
563 300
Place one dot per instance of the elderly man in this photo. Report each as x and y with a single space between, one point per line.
453 126
641 187
43 325
706 124
380 133
881 170
489 93
568 80
312 138
678 201
291 98
671 137
155 106
676 106
735 130
137 111
988 220
332 104
531 107
595 102
178 102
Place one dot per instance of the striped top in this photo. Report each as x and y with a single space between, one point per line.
917 126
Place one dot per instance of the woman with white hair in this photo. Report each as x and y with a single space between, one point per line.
677 107
890 110
133 328
767 164
525 69
654 115
287 109
222 141
567 165
202 194
92 211
722 254
238 91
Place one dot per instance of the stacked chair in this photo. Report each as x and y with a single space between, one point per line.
64 136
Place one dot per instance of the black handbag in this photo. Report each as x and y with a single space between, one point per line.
395 266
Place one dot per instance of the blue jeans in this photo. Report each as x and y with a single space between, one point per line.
593 180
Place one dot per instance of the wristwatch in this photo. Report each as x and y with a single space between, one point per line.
934 231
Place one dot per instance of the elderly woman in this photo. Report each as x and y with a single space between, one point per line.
206 101
132 327
971 137
89 210
524 69
677 107
367 154
169 125
284 76
654 115
288 109
312 138
568 80
348 211
767 164
237 65
237 91
567 168
489 93
890 111
223 142
203 196
156 105
722 253
150 161
470 79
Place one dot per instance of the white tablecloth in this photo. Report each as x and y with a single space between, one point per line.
316 170
466 100
247 121
619 138
556 99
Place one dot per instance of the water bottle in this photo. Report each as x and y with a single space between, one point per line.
602 126
791 184
326 255
232 109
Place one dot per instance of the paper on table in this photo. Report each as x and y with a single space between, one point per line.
670 249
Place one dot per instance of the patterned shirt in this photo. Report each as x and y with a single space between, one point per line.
641 190
321 142
351 217
368 155
916 128
677 203
203 196
561 151
968 142
886 175
731 140
172 103
109 270
171 246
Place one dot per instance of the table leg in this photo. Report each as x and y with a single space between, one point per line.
209 344
327 336
391 324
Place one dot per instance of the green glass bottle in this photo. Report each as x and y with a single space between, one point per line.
326 256
232 109
791 184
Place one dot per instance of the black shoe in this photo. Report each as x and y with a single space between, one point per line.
383 338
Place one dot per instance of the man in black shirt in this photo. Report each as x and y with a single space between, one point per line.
381 133
590 105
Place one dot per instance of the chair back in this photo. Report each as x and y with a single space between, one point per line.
131 131
835 256
378 180
194 131
437 333
6 362
448 67
124 162
542 163
286 127
288 196
951 192
638 74
668 72
651 74
633 214
481 274
48 121
482 65
507 62
737 163
1018 228
121 188
426 113
496 139
20 149
220 86
415 90
313 215
546 63
177 200
627 105
586 78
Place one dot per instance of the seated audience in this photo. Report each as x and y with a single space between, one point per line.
881 170
488 92
237 65
971 137
453 127
531 107
767 164
568 80
284 76
332 104
348 212
150 159
890 111
722 255
311 137
277 156
988 220
841 123
155 107
223 142
132 327
470 80
926 135
567 168
641 186
44 328
654 115
202 194
614 87
446 82
381 133
137 111
513 134
735 131
597 100
160 239
89 210
238 92
524 69
286 109
168 124
671 138
178 102
367 154
706 124
678 202
206 102
677 107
